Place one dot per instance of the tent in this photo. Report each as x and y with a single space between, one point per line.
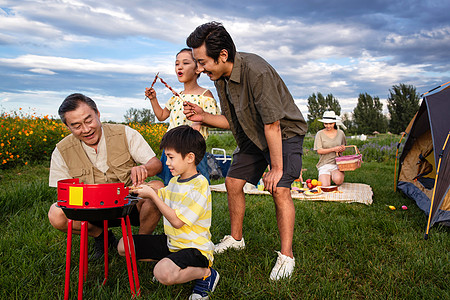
424 164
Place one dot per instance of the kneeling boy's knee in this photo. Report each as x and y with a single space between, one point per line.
164 273
163 277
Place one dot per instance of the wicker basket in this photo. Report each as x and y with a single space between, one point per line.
349 162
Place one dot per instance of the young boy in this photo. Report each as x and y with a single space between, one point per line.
185 251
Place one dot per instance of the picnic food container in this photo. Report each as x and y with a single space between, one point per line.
223 159
330 188
349 162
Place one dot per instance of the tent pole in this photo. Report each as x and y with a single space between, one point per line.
434 188
434 89
396 158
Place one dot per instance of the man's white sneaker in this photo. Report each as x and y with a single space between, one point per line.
284 267
228 242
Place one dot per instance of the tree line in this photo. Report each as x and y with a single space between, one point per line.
367 117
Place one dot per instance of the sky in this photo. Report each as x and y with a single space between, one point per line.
111 50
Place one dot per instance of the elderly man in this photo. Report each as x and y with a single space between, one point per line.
102 153
268 128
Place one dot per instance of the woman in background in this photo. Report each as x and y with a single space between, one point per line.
329 142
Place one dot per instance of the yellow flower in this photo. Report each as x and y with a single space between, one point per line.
44 140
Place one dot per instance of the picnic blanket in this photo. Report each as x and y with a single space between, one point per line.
346 193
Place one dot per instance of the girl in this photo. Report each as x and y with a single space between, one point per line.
187 73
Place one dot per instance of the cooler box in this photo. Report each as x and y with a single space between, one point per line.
223 159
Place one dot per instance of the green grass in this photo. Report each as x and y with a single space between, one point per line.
342 250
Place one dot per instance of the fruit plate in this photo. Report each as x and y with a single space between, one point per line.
298 190
312 194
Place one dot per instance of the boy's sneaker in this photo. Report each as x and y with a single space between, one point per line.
203 287
228 242
284 267
99 250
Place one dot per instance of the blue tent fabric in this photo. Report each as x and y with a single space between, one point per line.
410 190
423 202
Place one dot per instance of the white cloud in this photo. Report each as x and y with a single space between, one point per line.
36 62
42 71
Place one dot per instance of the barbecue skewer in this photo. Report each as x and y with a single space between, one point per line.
154 80
168 86
165 83
153 83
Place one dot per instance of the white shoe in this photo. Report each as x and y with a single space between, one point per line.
228 242
284 267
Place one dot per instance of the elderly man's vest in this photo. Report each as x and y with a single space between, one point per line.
119 158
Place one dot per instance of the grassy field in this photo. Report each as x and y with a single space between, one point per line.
343 251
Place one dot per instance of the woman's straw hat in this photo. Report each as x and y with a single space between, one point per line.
331 117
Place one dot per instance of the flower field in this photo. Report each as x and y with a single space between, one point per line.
152 133
27 138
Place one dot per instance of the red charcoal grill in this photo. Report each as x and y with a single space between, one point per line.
97 202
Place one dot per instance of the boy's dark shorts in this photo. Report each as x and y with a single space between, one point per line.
154 247
250 165
134 220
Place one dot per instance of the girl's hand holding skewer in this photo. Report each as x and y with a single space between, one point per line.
150 93
151 87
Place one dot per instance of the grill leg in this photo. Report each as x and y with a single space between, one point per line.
68 256
133 256
83 257
127 256
85 250
105 245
